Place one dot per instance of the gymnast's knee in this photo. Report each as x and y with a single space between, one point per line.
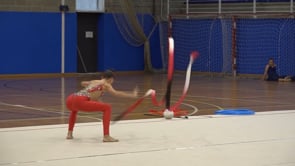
107 108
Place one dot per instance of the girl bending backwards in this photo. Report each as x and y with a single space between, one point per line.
87 100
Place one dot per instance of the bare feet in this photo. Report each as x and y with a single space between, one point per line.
70 135
285 79
108 138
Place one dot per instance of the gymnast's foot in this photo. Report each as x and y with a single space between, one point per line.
108 138
70 135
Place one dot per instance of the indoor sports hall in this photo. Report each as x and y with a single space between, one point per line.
206 62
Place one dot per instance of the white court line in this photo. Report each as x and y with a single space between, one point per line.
46 110
28 107
193 107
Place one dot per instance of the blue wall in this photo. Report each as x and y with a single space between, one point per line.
114 52
30 42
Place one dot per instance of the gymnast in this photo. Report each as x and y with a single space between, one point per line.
88 100
270 73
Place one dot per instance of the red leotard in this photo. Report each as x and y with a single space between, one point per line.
80 101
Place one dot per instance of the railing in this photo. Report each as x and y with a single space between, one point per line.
238 6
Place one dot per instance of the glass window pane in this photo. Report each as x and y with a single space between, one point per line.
86 5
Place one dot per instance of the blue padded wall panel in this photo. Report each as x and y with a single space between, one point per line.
71 43
31 42
114 52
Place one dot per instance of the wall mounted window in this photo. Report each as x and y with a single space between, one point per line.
90 5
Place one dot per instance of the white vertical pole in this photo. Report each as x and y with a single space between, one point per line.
187 7
219 6
254 6
62 39
168 6
291 6
161 9
63 95
62 58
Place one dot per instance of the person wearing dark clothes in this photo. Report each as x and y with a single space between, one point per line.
270 73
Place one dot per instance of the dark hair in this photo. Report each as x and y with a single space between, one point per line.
108 74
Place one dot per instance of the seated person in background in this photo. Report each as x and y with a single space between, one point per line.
270 73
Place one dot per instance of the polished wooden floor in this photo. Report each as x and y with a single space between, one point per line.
29 101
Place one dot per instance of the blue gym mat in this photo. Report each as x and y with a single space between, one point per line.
235 112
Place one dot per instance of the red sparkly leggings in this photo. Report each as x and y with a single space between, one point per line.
83 103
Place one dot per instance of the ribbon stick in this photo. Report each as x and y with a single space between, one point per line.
134 105
152 92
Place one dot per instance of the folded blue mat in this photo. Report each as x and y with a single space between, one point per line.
235 112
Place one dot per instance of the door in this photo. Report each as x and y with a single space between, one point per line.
87 42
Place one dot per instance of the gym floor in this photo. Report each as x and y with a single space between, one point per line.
33 123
